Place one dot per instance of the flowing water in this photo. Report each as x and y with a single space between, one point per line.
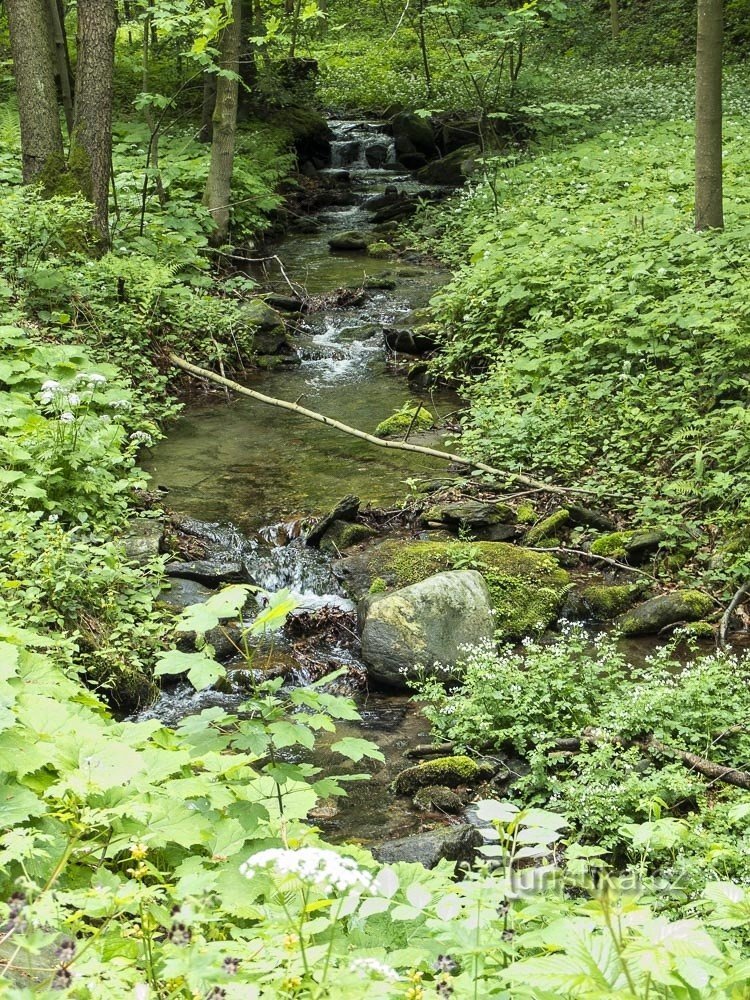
238 462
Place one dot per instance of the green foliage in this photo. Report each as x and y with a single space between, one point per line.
611 338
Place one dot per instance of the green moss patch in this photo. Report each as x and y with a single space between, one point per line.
613 545
399 423
603 602
447 771
548 528
526 588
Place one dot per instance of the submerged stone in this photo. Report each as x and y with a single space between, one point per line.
438 798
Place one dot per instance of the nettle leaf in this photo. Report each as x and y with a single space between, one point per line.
18 804
355 749
201 670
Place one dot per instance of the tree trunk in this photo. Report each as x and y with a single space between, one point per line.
62 61
709 212
91 142
207 110
219 181
33 68
248 63
614 19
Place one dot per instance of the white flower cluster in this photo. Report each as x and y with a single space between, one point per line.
326 870
141 437
372 967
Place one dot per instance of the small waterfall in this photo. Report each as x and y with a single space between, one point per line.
358 145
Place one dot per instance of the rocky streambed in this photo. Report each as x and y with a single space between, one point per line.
394 560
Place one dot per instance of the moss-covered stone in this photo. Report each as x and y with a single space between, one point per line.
612 545
526 588
440 798
399 423
378 586
526 513
449 771
380 250
602 602
548 528
343 534
667 609
699 630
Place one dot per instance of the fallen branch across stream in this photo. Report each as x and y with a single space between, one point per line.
283 404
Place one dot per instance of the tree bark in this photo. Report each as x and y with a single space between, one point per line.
31 47
217 193
62 60
614 19
91 141
709 211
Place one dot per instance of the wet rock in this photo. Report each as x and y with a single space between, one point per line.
380 250
453 169
364 332
210 572
668 609
403 208
342 535
451 843
472 513
269 362
603 602
380 282
182 592
588 518
414 139
420 339
377 154
642 546
413 629
390 196
309 131
448 771
345 510
142 539
438 798
352 240
456 135
285 303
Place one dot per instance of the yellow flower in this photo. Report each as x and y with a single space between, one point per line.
414 993
138 851
290 942
291 984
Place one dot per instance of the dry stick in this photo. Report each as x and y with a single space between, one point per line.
726 617
283 404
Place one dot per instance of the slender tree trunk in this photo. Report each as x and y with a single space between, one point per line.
31 47
91 142
207 109
219 181
62 61
709 211
248 63
614 19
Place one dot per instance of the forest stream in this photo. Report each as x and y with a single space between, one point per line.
249 467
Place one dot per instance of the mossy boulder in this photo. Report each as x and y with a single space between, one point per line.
634 546
269 331
343 534
668 609
603 602
611 545
449 771
526 588
549 528
308 132
399 423
350 241
438 798
452 170
423 628
380 250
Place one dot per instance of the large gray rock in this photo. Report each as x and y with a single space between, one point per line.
351 240
426 623
452 843
210 572
269 330
414 138
472 513
142 539
452 170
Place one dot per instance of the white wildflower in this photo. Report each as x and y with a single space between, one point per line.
141 437
53 518
120 404
372 967
67 417
51 386
327 871
73 400
46 397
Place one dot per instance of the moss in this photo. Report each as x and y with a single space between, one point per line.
438 797
380 249
343 534
698 630
526 588
378 586
399 423
548 528
449 771
699 604
525 513
613 545
603 602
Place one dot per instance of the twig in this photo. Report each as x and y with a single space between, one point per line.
561 550
726 617
444 456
